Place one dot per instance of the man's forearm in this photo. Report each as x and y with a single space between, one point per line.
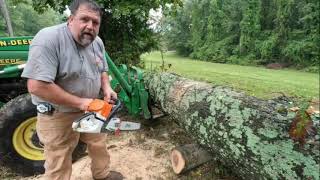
109 94
105 83
51 92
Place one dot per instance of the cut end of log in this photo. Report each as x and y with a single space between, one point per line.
177 161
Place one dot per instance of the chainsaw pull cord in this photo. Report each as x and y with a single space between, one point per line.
117 132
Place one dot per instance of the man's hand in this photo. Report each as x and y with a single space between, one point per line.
85 104
110 96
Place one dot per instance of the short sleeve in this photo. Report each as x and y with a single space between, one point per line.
42 64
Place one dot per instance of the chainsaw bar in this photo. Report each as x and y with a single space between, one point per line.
115 123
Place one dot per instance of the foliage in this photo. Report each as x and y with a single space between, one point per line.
313 69
26 21
250 26
2 27
124 28
302 127
265 31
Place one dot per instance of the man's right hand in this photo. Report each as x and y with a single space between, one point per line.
84 104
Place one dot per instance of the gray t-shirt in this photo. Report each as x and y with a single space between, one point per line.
54 56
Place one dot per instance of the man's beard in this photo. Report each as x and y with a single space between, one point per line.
86 38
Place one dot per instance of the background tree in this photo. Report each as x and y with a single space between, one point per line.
176 30
216 32
256 32
250 26
26 21
5 14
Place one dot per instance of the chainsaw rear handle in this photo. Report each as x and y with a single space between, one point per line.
116 108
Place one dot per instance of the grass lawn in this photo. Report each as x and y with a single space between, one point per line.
255 81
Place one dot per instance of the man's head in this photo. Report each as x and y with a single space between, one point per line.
84 21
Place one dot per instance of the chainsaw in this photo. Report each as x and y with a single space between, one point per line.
100 118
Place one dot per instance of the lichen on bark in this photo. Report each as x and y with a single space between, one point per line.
245 133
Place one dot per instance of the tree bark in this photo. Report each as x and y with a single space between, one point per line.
5 13
187 157
249 135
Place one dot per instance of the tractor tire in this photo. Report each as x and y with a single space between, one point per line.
20 148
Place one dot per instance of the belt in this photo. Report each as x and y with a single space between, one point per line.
49 109
45 108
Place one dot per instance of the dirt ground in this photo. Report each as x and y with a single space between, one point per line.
132 154
144 154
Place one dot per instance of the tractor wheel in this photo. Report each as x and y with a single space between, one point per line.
20 148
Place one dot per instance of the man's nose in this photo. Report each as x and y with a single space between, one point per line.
89 25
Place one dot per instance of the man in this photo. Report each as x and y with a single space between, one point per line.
66 70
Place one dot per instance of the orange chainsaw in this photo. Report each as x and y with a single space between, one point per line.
100 118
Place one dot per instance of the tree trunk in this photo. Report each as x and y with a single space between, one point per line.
187 157
5 13
249 135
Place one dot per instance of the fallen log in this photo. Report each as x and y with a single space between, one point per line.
248 135
187 157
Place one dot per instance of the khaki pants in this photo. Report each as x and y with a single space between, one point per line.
60 140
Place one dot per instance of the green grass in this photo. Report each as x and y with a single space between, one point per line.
255 81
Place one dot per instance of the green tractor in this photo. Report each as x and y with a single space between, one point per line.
20 147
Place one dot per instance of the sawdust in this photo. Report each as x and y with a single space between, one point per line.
136 154
133 159
144 154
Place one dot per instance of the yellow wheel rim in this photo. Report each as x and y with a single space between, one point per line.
23 143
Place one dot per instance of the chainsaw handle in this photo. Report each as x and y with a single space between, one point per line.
117 107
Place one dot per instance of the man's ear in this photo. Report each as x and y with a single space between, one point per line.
70 18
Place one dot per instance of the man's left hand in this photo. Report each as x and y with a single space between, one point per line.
110 96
